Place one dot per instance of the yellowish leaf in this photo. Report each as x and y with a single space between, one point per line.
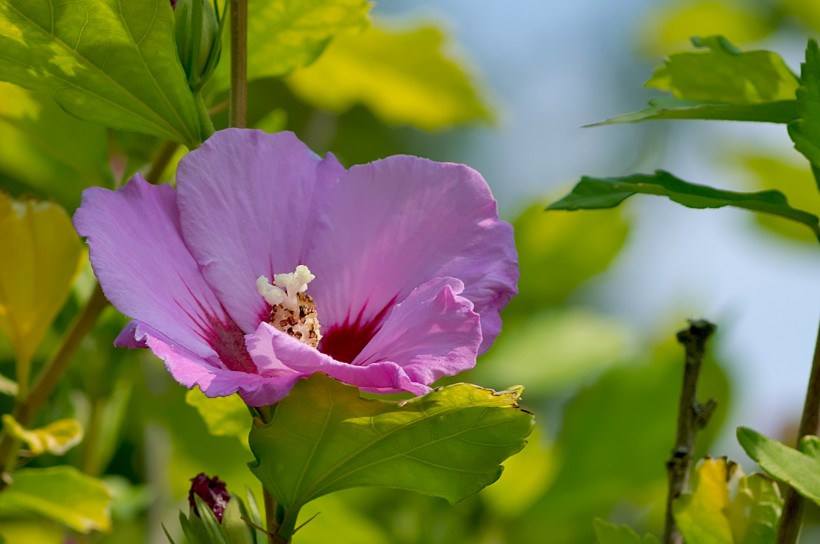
404 77
56 438
41 254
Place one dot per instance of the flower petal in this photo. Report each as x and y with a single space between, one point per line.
248 204
144 266
381 377
433 333
394 224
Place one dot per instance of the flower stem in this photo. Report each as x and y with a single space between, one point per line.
239 63
161 161
692 416
793 504
204 116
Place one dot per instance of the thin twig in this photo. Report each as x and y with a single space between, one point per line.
239 63
692 416
793 504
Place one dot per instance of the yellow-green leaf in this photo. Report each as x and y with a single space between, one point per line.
610 533
56 438
286 34
41 254
404 76
726 507
224 416
60 493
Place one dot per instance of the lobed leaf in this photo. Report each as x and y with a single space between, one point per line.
62 494
799 469
725 74
56 438
596 193
109 62
41 257
324 437
403 76
805 131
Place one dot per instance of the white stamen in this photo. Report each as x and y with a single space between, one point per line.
285 288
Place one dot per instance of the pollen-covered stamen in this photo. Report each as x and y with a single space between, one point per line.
292 310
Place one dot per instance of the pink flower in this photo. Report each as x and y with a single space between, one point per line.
268 264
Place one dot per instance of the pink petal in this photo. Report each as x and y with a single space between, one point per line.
433 333
394 224
382 377
248 204
148 273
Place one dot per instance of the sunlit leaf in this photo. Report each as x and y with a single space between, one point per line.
324 438
580 247
41 255
60 493
224 416
670 25
287 34
699 514
594 193
109 62
669 107
404 76
799 469
725 506
794 180
57 437
30 529
53 153
725 74
609 533
805 132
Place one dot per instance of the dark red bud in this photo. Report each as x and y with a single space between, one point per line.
212 491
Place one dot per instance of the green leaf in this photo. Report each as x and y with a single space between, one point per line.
224 416
56 438
60 493
725 74
323 438
53 153
404 76
236 529
595 193
109 62
287 34
726 507
609 533
669 107
798 469
41 257
805 132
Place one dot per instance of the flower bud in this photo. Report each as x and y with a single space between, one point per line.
199 39
212 491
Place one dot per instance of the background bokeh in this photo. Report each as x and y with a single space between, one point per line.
591 336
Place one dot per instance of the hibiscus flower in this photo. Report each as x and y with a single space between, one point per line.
268 263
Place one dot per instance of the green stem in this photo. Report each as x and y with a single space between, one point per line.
793 504
161 161
239 63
